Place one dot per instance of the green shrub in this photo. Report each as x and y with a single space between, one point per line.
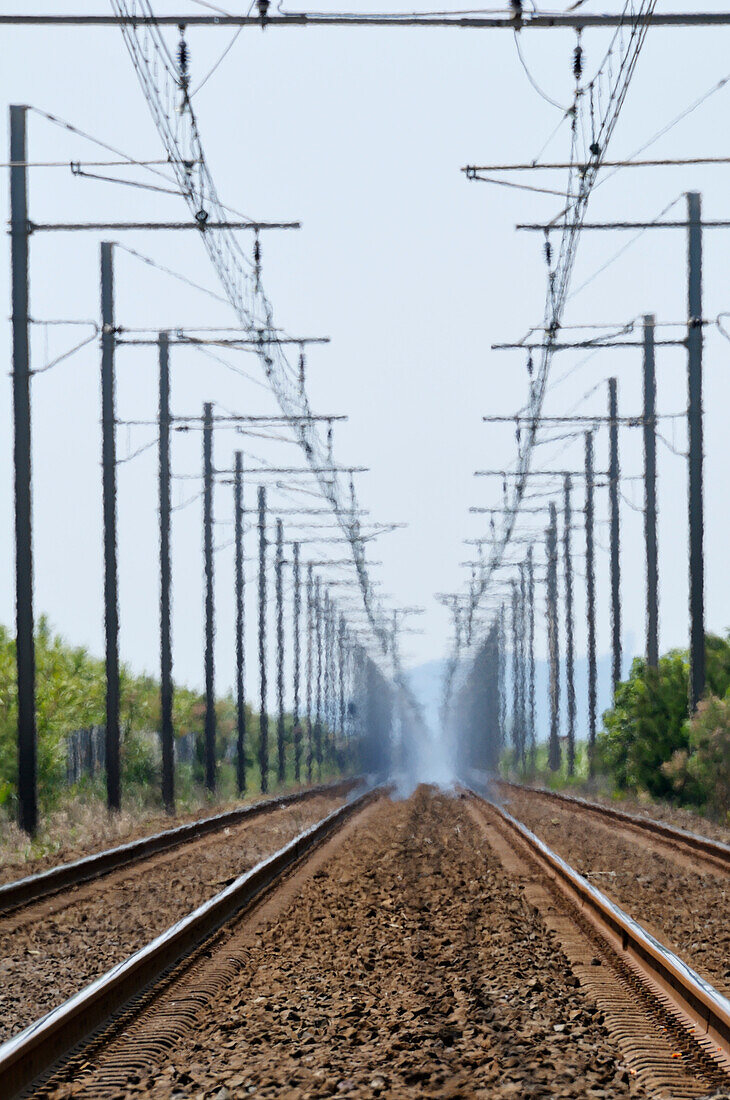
701 773
648 724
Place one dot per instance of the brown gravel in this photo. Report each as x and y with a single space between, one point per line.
408 965
53 948
685 906
84 827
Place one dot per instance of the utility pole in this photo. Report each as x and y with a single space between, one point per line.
24 636
166 687
569 627
310 663
516 732
613 494
279 574
501 678
263 713
210 722
650 516
552 625
590 602
531 653
297 732
240 625
318 694
694 425
522 603
109 493
326 671
341 674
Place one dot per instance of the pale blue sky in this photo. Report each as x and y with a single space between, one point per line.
410 269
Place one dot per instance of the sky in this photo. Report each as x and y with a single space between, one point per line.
413 272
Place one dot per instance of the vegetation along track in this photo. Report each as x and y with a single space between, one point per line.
677 884
422 950
52 947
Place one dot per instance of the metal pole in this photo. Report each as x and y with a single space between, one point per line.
326 670
694 429
650 507
240 626
210 723
297 662
310 662
501 686
166 688
263 713
109 489
523 669
613 493
279 575
24 638
318 693
569 626
553 643
590 602
515 675
341 674
531 653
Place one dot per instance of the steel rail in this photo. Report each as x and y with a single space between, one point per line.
14 895
36 1050
712 851
699 1006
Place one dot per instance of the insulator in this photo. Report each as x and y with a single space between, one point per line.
595 149
578 62
302 369
263 6
517 8
548 252
530 365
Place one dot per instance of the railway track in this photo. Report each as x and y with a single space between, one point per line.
710 852
32 888
698 1012
393 946
32 1054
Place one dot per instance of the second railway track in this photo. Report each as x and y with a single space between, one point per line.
713 853
127 987
51 946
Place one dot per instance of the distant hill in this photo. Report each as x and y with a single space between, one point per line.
426 681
